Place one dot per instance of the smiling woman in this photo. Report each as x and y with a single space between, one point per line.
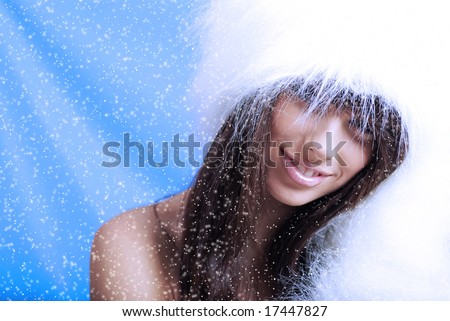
321 136
322 115
240 229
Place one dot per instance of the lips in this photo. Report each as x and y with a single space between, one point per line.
304 175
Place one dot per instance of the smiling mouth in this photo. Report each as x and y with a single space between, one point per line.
306 171
301 174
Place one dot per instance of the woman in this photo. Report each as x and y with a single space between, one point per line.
242 226
293 152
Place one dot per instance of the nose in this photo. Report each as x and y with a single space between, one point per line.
325 139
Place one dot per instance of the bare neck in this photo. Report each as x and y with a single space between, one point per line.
273 215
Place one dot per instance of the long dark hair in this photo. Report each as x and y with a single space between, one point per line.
224 201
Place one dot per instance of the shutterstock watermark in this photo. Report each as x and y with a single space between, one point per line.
247 153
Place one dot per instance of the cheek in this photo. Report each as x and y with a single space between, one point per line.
355 157
285 120
279 127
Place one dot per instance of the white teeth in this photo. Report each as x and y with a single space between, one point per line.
308 173
302 169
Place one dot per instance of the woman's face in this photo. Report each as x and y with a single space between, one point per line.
312 158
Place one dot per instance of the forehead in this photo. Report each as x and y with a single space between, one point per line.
313 108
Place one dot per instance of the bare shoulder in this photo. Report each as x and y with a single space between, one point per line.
135 255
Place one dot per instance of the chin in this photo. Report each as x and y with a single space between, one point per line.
288 197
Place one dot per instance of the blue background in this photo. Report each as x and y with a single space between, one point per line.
73 76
